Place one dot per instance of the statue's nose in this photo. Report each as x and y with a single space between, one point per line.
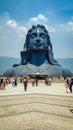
38 40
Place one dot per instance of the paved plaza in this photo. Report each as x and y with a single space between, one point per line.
39 108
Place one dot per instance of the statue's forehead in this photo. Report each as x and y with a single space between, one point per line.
38 30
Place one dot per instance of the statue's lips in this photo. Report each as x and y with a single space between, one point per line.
38 44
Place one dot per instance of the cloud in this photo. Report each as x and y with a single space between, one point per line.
50 29
40 18
68 26
12 23
12 37
62 40
19 29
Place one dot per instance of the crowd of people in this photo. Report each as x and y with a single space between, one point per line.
34 81
5 81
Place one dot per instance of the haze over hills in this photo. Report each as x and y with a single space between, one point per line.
66 63
7 63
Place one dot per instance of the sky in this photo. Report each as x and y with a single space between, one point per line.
18 16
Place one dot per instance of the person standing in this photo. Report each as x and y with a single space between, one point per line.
15 81
25 82
36 82
71 84
67 85
33 82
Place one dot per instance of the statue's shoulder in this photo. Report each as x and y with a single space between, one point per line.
16 71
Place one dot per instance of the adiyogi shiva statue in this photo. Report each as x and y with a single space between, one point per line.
37 56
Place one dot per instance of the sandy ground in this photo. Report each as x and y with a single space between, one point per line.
55 89
39 108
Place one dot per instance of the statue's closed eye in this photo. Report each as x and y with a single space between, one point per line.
33 35
42 35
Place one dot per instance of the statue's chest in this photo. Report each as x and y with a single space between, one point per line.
38 69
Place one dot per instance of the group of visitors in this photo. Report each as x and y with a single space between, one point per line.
34 81
25 82
4 83
48 81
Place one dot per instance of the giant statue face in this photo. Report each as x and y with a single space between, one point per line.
38 39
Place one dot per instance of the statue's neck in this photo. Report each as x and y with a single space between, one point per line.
37 57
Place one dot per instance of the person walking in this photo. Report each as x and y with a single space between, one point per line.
67 85
13 82
25 82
